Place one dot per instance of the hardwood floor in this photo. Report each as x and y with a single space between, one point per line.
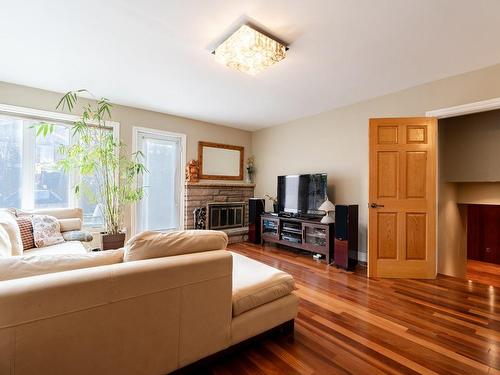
484 273
349 324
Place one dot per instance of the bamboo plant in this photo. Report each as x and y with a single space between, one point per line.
96 153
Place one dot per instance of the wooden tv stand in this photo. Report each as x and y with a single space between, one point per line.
301 233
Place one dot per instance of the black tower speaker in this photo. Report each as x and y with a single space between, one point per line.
255 209
346 236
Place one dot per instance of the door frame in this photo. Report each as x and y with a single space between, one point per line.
465 109
455 111
135 138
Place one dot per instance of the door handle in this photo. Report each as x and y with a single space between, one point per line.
375 205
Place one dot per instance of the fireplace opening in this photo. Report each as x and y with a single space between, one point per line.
226 215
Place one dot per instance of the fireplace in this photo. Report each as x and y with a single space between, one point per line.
225 215
220 206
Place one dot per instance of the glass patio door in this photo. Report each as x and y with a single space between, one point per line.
160 209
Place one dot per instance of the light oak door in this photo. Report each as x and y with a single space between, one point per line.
402 205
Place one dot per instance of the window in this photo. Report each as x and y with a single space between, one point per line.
11 146
29 172
161 207
51 184
92 215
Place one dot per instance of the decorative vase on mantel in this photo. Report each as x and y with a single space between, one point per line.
250 176
192 171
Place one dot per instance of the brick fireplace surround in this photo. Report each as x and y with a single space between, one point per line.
199 194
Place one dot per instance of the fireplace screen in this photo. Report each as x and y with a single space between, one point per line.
226 215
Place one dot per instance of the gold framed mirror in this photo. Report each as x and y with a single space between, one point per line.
218 161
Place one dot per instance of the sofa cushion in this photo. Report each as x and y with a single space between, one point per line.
31 265
255 284
5 245
26 230
11 243
59 213
46 230
147 245
67 247
71 224
69 218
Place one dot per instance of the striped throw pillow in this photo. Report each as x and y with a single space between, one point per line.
26 228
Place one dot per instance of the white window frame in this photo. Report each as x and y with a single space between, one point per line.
135 147
25 113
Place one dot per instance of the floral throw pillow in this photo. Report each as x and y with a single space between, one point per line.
46 230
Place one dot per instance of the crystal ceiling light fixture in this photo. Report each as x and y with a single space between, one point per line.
249 51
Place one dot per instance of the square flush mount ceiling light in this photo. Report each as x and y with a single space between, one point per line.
249 51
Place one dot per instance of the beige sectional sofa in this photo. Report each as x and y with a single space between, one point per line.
149 316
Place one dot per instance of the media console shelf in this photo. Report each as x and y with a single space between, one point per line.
305 234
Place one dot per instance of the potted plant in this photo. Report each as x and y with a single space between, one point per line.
99 155
251 169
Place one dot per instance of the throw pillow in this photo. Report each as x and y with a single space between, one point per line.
147 245
77 235
11 243
46 230
26 229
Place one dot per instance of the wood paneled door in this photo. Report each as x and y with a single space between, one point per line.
402 216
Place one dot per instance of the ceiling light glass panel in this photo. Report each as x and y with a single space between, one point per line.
249 51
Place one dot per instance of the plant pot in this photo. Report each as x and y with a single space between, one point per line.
112 241
275 207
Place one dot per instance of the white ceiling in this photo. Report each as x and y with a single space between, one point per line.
155 54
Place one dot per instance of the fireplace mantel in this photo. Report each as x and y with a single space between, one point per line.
220 184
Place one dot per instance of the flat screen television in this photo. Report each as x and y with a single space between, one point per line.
302 194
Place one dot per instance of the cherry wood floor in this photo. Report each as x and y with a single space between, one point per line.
482 272
349 324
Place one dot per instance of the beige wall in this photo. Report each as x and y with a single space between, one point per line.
452 220
336 142
452 231
478 193
470 146
129 117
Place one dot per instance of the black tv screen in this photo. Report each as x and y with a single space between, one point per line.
302 194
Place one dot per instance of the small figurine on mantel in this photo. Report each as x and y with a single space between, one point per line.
192 171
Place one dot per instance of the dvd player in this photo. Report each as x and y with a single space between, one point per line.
291 238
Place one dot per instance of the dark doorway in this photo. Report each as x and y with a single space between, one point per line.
483 233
